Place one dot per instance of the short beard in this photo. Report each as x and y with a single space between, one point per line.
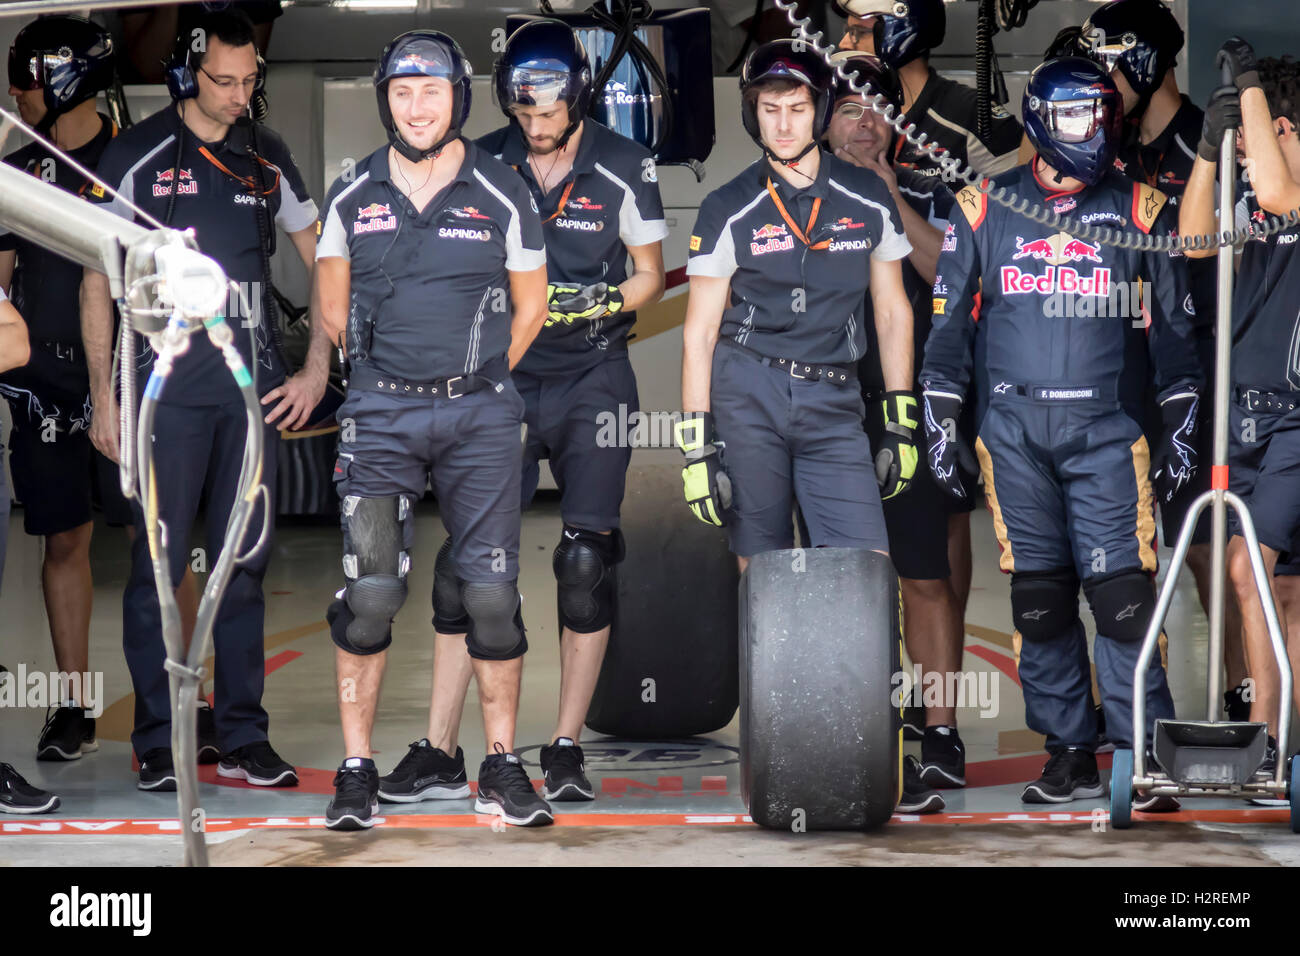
555 145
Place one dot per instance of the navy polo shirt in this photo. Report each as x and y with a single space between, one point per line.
610 201
46 285
139 164
1266 305
430 294
789 300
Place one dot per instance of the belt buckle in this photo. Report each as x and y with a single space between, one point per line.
1251 395
450 382
794 374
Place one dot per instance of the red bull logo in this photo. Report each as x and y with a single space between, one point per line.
373 210
1057 250
1056 279
769 231
1038 249
376 217
180 179
1077 250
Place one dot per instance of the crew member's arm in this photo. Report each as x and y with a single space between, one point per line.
15 349
706 301
1275 190
925 238
948 356
889 303
8 260
642 227
331 289
528 299
1196 208
645 285
97 340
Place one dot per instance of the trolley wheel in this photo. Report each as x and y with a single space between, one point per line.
1121 790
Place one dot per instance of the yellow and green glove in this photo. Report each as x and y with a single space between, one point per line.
569 303
896 456
707 486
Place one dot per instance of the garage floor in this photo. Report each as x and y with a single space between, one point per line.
674 802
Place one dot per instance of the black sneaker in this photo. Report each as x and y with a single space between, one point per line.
562 765
259 764
157 772
913 722
209 747
19 796
1069 774
356 796
68 734
425 773
917 797
1235 705
943 758
1265 772
505 790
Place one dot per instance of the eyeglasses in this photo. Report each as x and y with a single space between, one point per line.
852 111
223 83
857 33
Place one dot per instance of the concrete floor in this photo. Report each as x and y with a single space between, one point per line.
675 802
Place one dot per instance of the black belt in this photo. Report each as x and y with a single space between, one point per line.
453 386
1258 400
1057 394
65 351
810 371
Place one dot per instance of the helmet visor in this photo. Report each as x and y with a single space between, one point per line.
1106 50
420 57
528 86
873 8
1074 121
28 70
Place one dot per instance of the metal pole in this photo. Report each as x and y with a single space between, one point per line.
1219 466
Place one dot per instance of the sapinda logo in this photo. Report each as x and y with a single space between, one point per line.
580 225
458 232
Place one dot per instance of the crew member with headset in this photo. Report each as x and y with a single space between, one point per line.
1058 405
57 66
16 794
199 164
599 197
781 260
946 112
431 272
917 522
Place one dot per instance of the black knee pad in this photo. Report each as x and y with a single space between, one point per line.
1122 604
377 536
1044 603
584 577
496 630
449 614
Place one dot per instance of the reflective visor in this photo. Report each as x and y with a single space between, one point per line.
1074 121
28 70
873 8
423 58
532 87
1106 51
789 68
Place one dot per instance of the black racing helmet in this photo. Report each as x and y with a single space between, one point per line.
424 53
70 58
544 63
788 60
905 29
1140 38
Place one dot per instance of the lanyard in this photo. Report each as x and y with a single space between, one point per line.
249 183
564 198
812 218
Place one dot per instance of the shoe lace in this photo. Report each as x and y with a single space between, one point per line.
513 779
566 758
350 781
415 755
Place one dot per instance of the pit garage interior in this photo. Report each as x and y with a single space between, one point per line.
664 801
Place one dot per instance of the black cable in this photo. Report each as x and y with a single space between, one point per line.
1013 13
635 12
984 28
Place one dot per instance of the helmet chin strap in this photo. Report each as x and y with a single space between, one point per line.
791 163
420 155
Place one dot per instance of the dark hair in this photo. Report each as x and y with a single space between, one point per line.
1281 81
779 85
231 26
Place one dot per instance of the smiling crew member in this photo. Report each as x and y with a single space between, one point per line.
432 274
599 198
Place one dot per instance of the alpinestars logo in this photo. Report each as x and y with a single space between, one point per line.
1034 615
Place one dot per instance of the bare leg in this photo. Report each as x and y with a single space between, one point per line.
1259 649
498 692
359 677
69 594
1234 655
959 563
452 670
932 633
580 658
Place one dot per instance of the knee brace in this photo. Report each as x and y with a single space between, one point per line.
1122 604
584 576
376 557
1044 603
449 616
496 630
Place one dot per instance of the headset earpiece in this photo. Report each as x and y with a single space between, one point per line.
179 75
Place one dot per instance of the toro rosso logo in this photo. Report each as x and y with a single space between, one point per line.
582 202
468 212
180 178
845 222
770 238
377 217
